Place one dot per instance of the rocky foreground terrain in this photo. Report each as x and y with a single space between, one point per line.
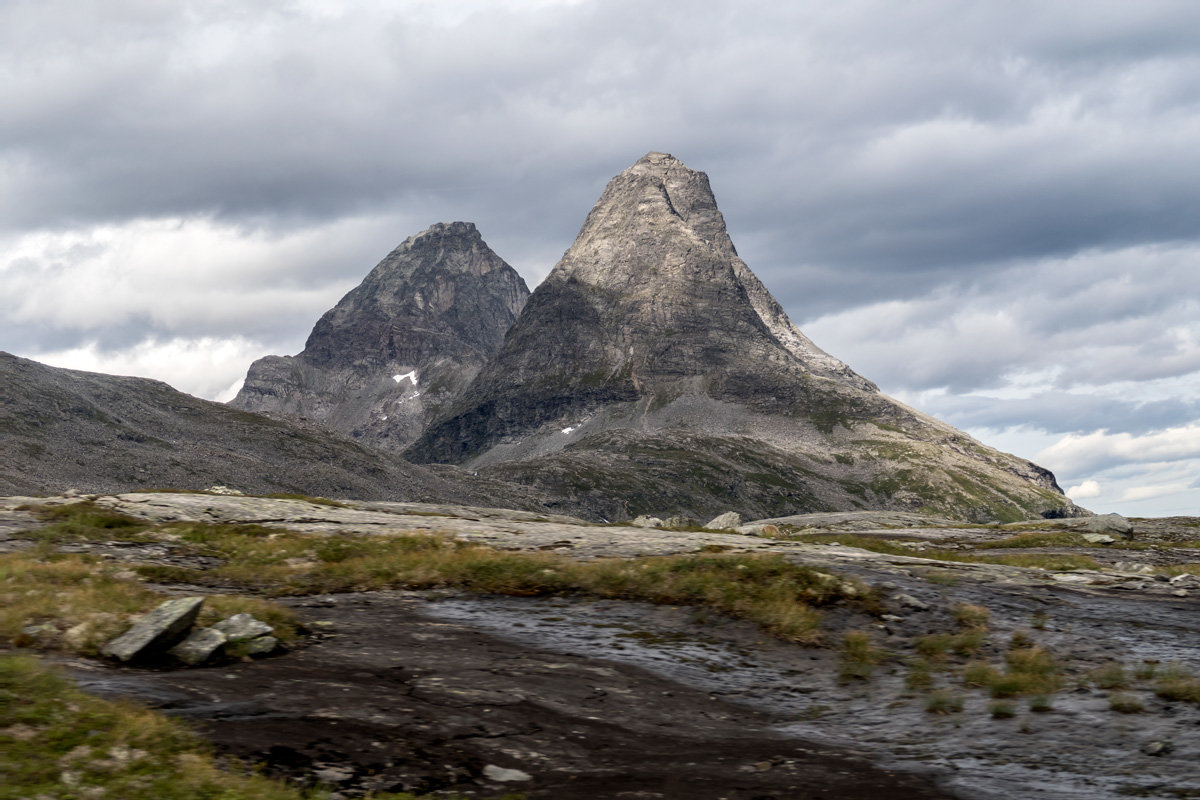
1049 659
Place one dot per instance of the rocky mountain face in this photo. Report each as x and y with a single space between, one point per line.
385 360
653 372
63 429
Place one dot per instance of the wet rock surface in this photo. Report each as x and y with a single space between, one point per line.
396 698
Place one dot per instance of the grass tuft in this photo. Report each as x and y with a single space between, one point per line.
858 657
1111 676
920 675
83 521
1124 703
1037 539
66 602
1041 703
971 617
944 702
1176 682
937 646
1002 709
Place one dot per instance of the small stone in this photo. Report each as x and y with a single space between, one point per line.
503 775
262 646
77 635
1113 524
1184 578
241 627
156 630
199 646
333 773
1070 577
1180 592
224 490
1098 538
730 519
644 521
1157 748
40 631
908 601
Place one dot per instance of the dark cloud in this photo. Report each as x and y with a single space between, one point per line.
916 142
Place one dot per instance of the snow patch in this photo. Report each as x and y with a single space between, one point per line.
568 429
411 376
384 417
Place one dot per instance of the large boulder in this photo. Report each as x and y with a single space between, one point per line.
1111 524
199 646
242 627
155 631
730 519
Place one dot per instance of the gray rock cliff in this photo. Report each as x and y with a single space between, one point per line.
385 360
653 372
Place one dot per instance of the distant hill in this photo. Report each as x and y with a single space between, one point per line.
64 429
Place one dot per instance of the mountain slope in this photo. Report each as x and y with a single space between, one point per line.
651 353
382 362
63 429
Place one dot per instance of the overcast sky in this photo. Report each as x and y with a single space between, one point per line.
992 209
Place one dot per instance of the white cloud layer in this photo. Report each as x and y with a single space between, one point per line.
1084 491
206 367
1100 449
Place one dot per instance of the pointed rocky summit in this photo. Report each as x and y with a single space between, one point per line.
382 362
652 372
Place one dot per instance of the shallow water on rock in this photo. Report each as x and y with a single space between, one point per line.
1080 749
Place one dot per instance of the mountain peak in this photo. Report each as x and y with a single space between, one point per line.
652 218
380 363
650 303
655 158
443 230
